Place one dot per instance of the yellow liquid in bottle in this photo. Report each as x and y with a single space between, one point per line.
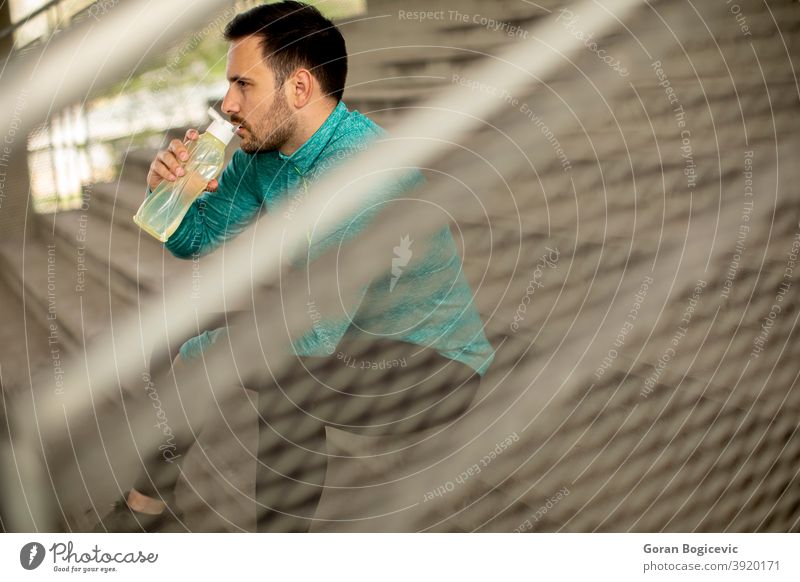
162 212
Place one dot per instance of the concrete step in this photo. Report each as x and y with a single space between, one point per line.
128 260
420 18
497 9
115 202
135 164
60 292
442 46
715 104
395 91
23 337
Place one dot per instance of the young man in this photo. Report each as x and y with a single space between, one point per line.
287 66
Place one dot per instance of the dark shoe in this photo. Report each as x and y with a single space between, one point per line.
123 519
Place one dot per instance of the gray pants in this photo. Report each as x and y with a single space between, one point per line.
368 386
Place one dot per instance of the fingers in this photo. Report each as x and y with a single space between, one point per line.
168 160
178 149
168 164
212 186
158 173
191 135
163 170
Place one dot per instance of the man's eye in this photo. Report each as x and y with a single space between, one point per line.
241 83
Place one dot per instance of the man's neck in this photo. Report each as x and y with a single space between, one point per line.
307 128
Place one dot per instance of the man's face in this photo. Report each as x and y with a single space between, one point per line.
254 101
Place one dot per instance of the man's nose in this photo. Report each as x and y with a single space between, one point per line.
229 104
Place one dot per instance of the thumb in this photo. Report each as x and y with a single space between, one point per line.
212 185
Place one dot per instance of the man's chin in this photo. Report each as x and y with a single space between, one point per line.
251 147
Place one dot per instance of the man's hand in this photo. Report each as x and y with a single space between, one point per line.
168 164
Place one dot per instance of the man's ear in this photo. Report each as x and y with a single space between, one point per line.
301 88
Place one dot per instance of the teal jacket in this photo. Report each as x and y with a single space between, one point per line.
425 298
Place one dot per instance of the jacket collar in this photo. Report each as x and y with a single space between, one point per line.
304 157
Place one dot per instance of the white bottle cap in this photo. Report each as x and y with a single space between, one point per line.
222 130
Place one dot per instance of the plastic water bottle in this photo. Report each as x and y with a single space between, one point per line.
161 213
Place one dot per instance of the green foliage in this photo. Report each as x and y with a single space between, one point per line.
200 57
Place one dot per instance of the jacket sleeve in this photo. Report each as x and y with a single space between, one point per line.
215 217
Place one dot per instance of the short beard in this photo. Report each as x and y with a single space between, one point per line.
273 130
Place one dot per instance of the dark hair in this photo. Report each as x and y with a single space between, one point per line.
296 35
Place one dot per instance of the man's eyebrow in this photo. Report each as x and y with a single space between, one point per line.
234 78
